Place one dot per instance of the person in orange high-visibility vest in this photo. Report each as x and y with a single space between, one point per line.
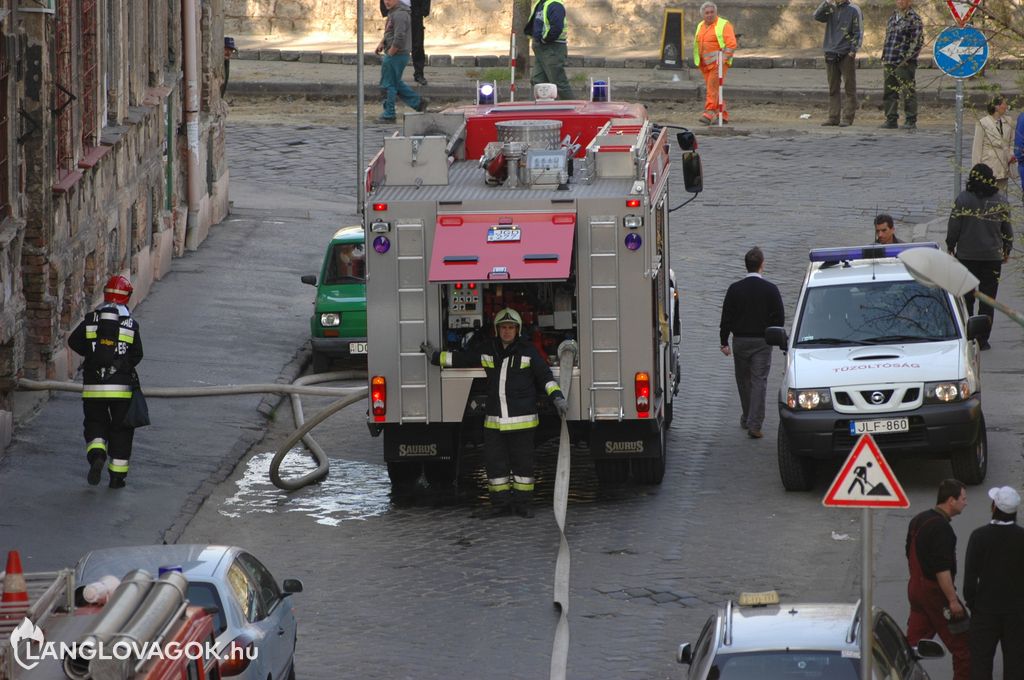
714 38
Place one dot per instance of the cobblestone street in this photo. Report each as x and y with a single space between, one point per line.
426 591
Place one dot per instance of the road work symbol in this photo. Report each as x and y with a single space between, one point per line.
865 480
961 52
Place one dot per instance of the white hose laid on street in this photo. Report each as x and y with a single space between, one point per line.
560 647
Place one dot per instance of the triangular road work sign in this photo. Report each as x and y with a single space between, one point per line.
962 11
865 480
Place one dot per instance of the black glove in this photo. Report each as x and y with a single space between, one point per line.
428 349
562 406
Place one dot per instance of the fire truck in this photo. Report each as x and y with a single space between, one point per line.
146 630
558 209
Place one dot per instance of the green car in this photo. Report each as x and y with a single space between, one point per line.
338 324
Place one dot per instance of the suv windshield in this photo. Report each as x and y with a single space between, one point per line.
876 312
346 264
788 664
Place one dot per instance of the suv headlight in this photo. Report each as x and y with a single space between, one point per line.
946 391
330 320
808 400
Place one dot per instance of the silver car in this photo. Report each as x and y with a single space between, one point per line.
766 640
254 613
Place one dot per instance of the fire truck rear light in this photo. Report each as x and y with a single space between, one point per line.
472 286
380 227
236 656
380 207
381 244
633 221
632 202
642 385
633 241
378 398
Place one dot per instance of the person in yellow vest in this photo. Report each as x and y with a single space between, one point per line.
714 37
548 28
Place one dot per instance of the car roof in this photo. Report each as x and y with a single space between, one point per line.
819 626
197 561
350 234
857 271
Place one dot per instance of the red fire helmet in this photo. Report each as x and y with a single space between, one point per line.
118 290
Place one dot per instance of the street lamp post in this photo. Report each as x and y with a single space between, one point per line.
941 270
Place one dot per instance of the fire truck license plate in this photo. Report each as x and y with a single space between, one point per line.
357 348
498 234
880 426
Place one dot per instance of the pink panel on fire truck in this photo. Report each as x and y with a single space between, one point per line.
579 119
495 247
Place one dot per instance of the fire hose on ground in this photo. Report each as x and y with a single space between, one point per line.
301 386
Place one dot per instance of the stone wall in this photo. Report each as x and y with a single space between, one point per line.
593 23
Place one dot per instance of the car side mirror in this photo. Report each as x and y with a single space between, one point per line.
929 649
693 172
291 585
685 653
309 279
776 337
978 326
687 140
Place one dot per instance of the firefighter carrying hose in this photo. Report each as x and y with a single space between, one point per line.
515 372
110 341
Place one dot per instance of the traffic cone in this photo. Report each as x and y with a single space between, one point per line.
14 602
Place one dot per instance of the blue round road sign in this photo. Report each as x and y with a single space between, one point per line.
961 52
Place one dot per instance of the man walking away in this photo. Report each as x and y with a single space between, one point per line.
843 36
931 558
418 10
885 230
751 305
549 29
714 40
111 342
980 236
394 48
904 36
994 588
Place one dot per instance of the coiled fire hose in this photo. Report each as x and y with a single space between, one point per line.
560 647
301 386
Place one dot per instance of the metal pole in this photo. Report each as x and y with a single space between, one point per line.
512 65
721 107
867 583
958 137
1002 307
360 113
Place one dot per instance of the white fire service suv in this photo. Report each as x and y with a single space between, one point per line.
874 351
557 209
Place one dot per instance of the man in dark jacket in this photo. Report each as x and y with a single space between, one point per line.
994 588
844 33
980 236
516 371
751 305
110 340
547 26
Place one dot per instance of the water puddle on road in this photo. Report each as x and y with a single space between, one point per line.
351 491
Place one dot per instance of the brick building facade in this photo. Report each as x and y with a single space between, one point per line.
98 146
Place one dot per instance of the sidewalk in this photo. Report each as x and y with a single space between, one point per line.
319 69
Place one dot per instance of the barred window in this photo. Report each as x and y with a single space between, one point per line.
5 127
90 73
63 95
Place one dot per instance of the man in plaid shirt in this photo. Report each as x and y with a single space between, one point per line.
904 36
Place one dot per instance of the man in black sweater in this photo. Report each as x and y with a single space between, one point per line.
751 305
994 588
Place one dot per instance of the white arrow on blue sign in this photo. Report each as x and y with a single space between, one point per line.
961 52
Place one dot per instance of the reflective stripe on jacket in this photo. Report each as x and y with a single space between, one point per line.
111 343
553 26
720 33
514 376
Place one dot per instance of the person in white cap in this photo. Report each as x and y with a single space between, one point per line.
994 588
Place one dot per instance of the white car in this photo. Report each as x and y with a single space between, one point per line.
874 351
253 612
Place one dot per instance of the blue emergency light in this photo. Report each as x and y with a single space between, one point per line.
486 93
871 252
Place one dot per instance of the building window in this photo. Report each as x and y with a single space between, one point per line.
90 73
5 127
63 95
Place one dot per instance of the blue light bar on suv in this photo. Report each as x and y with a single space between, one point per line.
872 252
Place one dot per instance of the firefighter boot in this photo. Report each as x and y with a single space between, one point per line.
501 504
117 480
522 503
96 461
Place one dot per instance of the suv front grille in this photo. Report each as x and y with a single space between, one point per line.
842 442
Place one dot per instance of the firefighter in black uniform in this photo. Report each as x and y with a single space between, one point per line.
515 372
110 341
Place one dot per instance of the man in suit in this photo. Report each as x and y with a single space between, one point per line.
751 305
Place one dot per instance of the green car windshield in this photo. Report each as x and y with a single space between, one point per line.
347 264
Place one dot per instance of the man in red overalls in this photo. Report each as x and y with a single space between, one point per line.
931 555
